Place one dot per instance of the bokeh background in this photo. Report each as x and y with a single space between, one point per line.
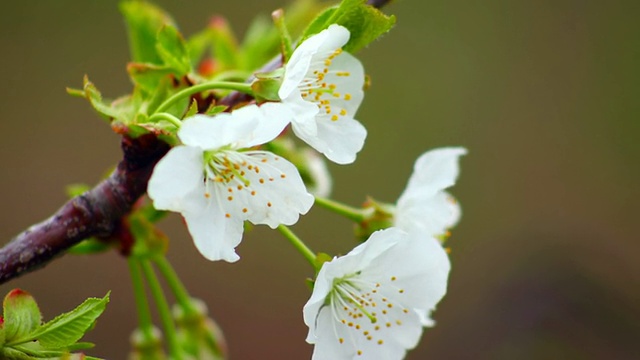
546 260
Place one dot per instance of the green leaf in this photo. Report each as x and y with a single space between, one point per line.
144 20
262 40
80 346
193 109
94 96
319 23
216 109
161 92
148 76
225 45
66 329
128 106
21 314
365 23
198 44
172 49
286 47
2 333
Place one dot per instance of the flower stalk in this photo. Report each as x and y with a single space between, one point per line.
164 311
297 243
212 85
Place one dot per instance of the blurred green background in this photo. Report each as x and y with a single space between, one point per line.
546 260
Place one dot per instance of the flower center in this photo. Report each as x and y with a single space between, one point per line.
320 83
371 309
241 180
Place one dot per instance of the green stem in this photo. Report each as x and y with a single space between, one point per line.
211 85
240 75
355 214
182 296
142 305
299 245
165 116
163 310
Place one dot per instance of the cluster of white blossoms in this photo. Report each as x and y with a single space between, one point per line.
371 303
374 302
216 182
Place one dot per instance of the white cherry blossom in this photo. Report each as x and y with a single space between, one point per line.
216 181
424 206
364 304
322 85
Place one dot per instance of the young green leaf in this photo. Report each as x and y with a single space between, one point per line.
92 94
262 41
144 20
172 49
225 45
148 76
365 23
66 329
198 44
21 314
216 109
193 109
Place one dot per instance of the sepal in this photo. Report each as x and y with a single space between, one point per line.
378 216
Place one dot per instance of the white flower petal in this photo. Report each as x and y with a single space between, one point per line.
423 270
304 115
296 69
436 170
425 317
354 345
177 176
347 74
323 88
224 129
424 206
428 214
272 192
389 276
273 118
215 235
339 141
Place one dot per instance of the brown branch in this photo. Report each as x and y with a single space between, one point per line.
94 213
98 212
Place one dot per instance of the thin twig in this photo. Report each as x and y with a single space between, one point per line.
94 213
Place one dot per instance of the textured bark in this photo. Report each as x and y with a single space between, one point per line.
94 213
